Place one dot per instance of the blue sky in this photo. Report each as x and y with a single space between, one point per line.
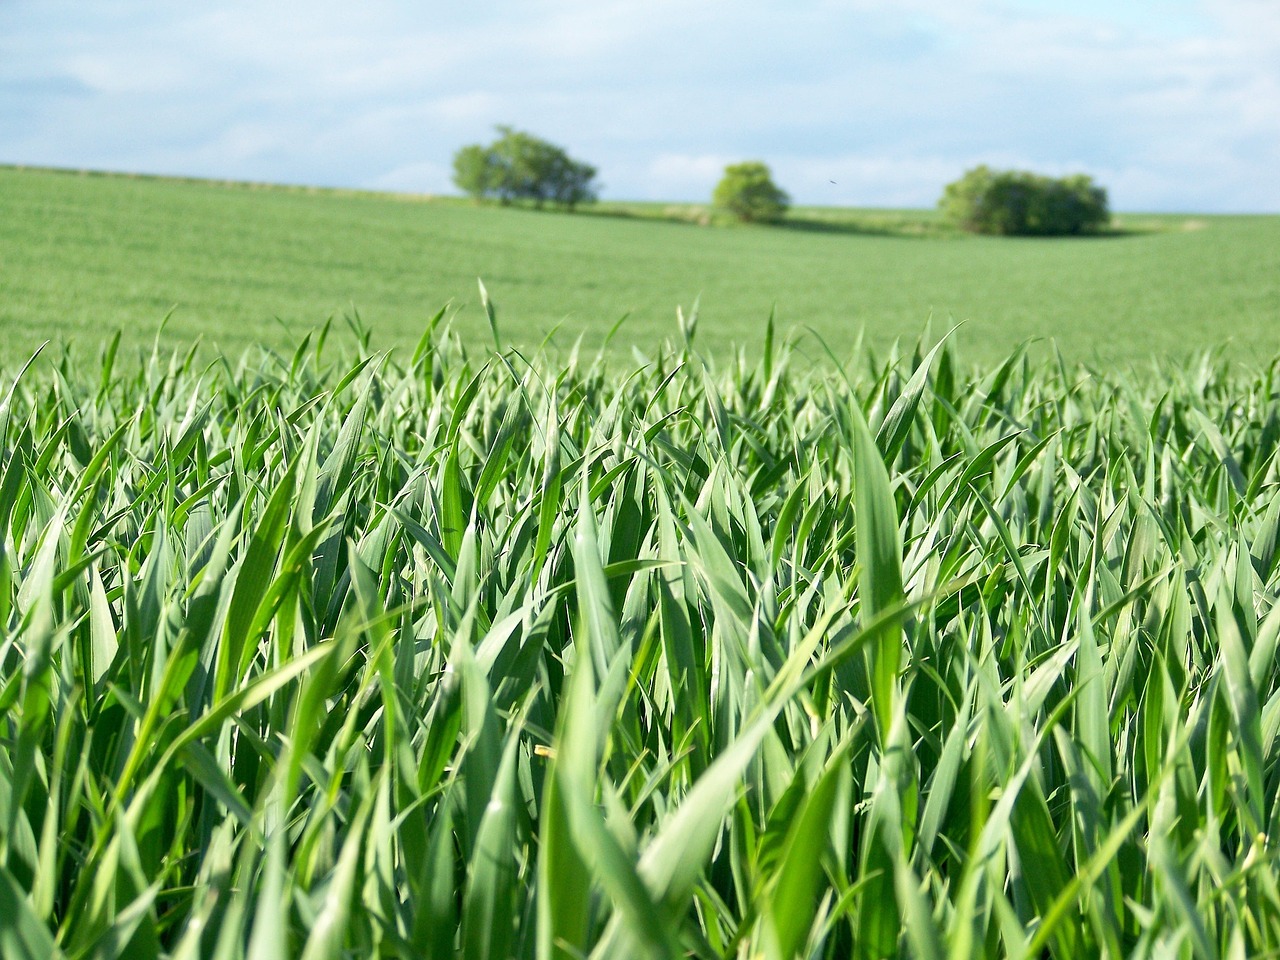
1171 104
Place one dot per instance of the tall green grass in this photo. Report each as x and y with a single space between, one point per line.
486 655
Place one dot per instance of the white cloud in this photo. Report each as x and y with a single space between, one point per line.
867 180
674 175
1173 103
423 177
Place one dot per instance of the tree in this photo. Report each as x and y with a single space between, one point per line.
475 171
1015 202
520 166
748 192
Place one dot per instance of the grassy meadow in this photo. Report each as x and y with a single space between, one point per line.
82 256
486 647
326 654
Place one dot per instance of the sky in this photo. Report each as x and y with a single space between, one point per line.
1173 105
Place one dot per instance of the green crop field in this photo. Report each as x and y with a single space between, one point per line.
488 655
481 647
81 256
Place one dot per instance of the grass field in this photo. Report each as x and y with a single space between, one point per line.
331 657
83 255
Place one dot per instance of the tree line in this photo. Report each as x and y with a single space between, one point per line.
518 166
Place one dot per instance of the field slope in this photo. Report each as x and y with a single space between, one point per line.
83 255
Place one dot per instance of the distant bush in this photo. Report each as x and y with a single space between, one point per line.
748 192
520 166
1018 203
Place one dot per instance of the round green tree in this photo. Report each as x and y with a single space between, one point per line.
748 192
520 166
